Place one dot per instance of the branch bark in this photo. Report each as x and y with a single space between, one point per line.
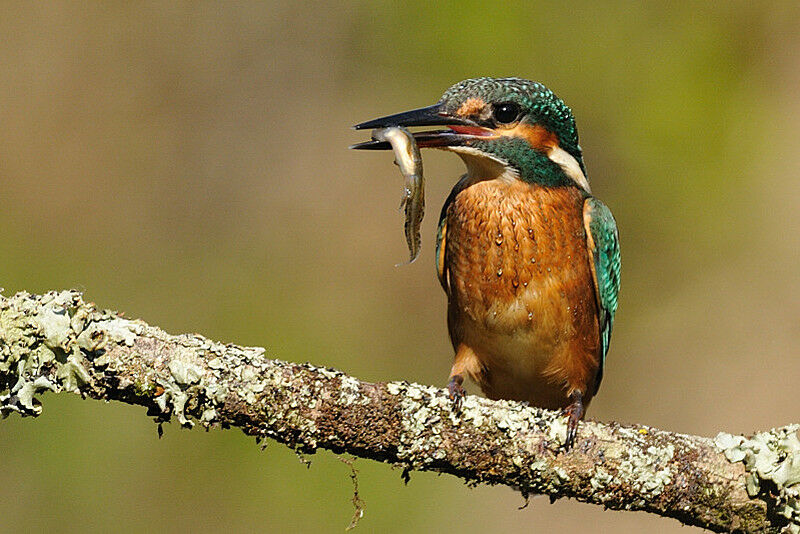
57 342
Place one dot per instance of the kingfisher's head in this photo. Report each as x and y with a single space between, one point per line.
499 126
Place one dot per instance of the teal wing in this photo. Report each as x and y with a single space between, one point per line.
441 243
603 243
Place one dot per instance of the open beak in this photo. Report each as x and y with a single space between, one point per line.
460 131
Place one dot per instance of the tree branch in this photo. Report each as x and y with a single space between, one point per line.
57 342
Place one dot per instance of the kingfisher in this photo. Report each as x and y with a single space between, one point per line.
528 257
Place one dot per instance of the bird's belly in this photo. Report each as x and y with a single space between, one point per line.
521 290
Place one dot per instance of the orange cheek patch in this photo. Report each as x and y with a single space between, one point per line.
539 137
471 106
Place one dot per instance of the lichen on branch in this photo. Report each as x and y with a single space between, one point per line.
57 342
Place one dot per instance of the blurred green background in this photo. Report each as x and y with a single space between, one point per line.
187 163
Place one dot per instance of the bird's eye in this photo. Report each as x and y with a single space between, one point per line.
506 112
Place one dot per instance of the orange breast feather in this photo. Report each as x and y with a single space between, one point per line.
520 289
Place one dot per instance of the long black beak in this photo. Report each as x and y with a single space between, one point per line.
429 116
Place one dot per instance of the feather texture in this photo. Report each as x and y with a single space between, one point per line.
603 243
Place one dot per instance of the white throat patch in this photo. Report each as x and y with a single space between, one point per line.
481 166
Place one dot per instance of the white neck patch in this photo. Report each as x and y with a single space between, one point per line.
570 167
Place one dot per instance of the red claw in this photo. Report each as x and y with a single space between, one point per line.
574 413
456 391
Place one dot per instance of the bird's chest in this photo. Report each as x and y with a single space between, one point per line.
517 260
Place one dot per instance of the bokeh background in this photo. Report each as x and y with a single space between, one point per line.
187 163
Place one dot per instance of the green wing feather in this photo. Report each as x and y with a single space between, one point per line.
603 242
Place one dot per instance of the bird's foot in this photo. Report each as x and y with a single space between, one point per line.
456 391
574 413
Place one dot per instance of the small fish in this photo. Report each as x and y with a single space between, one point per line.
408 158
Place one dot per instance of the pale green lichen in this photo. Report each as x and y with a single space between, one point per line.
185 373
600 479
36 349
54 322
557 431
417 416
26 391
423 409
350 391
394 388
54 342
770 458
72 375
